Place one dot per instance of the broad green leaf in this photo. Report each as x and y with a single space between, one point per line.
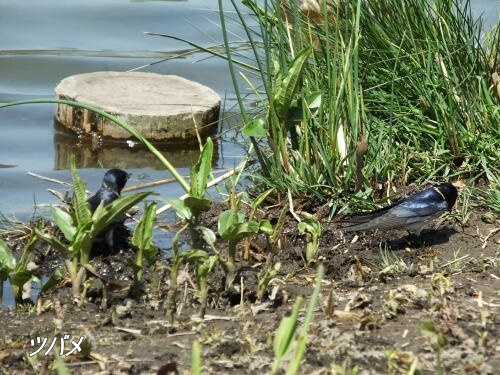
266 227
243 230
227 220
180 208
52 240
207 266
189 208
194 255
143 233
64 222
208 235
201 171
310 226
197 205
288 86
256 128
80 204
115 211
7 261
232 226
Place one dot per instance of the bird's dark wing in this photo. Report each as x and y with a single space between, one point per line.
424 204
364 217
386 221
415 209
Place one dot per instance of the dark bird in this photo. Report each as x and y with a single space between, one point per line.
112 184
411 213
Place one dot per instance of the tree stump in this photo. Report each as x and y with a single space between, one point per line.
160 107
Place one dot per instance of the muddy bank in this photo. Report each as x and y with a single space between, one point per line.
387 305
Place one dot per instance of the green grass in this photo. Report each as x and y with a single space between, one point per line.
370 97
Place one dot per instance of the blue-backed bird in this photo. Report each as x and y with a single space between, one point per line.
111 187
410 213
112 184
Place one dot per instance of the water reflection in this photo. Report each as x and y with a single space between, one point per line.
125 155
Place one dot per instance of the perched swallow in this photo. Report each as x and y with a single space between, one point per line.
411 213
112 184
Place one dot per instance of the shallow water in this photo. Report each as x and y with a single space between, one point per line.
49 40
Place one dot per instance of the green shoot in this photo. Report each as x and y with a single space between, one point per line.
312 228
142 238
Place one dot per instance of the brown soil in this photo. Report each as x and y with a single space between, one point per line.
368 315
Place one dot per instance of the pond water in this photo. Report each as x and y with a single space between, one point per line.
43 41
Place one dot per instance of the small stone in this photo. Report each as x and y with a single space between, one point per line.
124 311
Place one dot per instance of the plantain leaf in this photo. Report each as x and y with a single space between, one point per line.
82 209
227 220
114 211
194 255
256 128
208 235
64 222
233 227
143 233
201 170
180 208
310 226
287 88
52 240
266 227
7 261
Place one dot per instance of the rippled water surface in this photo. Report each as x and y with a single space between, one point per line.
44 41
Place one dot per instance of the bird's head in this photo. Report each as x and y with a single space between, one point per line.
115 179
449 192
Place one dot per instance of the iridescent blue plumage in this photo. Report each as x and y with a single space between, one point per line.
112 184
410 213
